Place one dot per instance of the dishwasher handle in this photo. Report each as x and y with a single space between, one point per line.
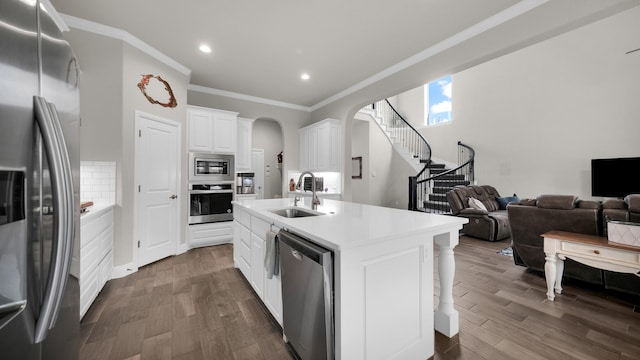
296 254
303 247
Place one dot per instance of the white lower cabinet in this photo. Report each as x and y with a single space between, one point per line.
96 255
273 296
242 248
210 234
257 270
249 247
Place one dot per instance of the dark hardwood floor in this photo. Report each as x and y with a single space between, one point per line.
198 306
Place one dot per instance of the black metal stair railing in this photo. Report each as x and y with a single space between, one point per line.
402 132
427 190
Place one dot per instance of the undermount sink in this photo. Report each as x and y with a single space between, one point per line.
294 212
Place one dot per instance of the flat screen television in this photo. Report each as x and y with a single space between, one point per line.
616 177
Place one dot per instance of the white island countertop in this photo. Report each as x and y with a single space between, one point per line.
346 225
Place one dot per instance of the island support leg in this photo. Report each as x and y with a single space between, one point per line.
446 316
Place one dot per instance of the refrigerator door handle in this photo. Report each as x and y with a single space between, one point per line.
10 310
63 210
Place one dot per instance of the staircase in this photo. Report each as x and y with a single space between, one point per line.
406 140
431 190
427 190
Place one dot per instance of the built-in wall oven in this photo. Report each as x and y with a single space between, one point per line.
205 167
210 203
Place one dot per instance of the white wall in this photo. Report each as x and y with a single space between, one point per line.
537 117
380 160
411 106
360 147
109 97
135 64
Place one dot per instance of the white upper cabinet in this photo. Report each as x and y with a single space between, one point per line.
200 130
243 142
224 132
321 146
211 130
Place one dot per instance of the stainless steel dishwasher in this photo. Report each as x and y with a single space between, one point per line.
307 296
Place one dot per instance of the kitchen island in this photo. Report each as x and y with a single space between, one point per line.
383 271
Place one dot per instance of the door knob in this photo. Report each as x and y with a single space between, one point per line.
173 197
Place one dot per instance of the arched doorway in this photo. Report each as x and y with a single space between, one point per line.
267 136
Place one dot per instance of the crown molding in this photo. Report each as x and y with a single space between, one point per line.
55 15
466 34
514 11
234 95
105 30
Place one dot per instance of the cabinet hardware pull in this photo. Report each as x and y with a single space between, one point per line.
597 252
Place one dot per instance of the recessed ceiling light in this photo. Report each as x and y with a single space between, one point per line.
205 48
304 76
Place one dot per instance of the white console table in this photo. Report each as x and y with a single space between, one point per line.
595 251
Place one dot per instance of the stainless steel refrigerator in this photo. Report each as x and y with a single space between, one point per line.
39 183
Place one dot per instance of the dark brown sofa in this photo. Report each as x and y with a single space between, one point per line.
627 209
491 224
530 218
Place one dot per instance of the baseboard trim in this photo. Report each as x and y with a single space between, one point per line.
182 248
123 270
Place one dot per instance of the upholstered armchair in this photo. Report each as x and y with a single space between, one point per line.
480 204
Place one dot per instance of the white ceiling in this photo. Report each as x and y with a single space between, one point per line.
260 48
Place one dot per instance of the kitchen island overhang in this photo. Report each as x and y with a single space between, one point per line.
383 275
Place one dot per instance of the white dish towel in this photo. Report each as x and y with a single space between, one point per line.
271 254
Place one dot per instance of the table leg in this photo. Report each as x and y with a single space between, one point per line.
446 316
559 272
553 269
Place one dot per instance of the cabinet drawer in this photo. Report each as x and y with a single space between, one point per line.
89 231
599 252
259 227
242 216
210 234
104 270
245 252
106 220
245 236
106 242
88 291
89 258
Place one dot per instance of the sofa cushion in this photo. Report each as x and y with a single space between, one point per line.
459 196
476 204
614 204
503 201
633 202
485 193
561 202
527 202
588 204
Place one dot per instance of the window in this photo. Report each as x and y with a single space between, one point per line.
437 100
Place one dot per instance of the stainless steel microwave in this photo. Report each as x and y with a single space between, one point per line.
210 167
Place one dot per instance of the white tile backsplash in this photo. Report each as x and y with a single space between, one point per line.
98 181
331 182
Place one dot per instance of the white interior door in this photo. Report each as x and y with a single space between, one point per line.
257 164
157 175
